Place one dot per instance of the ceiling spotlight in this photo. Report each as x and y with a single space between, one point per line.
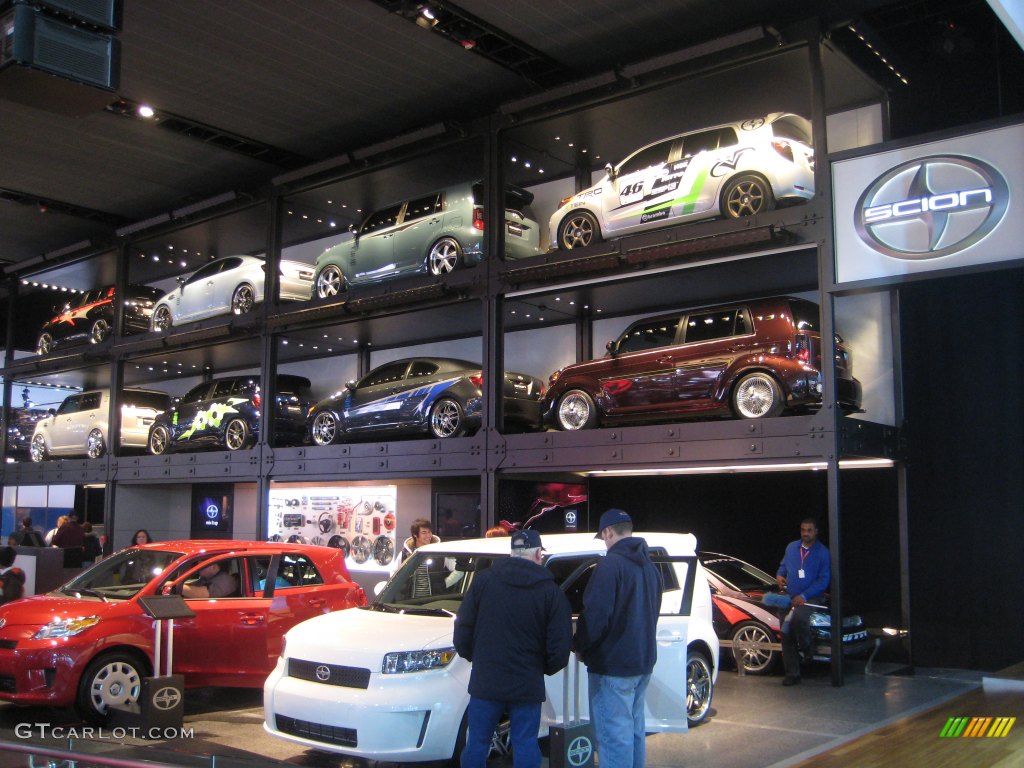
146 111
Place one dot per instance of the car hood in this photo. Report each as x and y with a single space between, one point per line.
359 637
42 609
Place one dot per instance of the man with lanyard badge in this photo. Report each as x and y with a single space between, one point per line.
804 575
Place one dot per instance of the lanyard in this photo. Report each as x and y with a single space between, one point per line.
803 556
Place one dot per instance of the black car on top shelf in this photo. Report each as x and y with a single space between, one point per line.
90 318
225 413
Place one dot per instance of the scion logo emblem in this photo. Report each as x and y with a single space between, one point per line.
167 698
323 673
579 750
931 207
212 511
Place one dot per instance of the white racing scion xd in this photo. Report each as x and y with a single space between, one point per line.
384 682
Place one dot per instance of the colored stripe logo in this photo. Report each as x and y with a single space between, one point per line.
977 727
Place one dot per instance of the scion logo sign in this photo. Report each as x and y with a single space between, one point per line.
931 207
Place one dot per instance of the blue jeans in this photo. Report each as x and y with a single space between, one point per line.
617 712
524 725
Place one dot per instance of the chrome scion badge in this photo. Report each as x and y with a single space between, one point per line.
931 207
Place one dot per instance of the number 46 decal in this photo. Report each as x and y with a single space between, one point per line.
632 189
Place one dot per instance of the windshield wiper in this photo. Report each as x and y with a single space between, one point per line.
79 591
385 607
418 611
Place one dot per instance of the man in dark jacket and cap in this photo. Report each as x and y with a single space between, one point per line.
615 638
515 625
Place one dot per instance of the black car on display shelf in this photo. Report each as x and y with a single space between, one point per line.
91 317
20 428
754 629
225 413
438 396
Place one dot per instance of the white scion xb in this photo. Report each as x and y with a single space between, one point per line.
384 682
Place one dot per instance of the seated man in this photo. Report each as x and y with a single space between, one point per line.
212 582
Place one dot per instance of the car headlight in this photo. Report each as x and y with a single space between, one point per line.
819 619
66 627
397 662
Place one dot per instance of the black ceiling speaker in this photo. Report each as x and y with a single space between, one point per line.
53 63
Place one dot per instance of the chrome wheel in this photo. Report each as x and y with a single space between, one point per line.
162 318
243 299
577 230
747 196
95 445
756 396
446 419
236 435
45 345
159 440
330 282
576 411
444 256
698 688
751 647
37 451
100 331
324 430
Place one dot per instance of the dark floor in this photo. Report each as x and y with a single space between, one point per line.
754 722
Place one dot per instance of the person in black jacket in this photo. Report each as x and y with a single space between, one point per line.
616 639
12 580
515 625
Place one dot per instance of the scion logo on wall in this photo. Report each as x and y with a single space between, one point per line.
931 207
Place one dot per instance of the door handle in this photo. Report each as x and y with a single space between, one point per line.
317 602
252 619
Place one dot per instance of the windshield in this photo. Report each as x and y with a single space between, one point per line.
434 582
743 577
122 575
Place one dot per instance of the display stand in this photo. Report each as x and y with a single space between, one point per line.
572 742
161 704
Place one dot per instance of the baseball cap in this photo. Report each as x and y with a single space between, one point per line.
528 539
612 516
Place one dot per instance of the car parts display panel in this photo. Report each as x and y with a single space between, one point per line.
360 521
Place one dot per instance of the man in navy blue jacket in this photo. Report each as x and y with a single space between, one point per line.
804 574
615 638
515 625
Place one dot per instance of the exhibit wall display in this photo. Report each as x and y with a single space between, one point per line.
359 520
927 207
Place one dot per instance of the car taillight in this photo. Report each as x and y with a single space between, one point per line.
802 347
783 148
477 380
478 217
257 400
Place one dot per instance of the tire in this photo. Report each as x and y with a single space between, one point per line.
576 410
324 429
100 331
330 282
757 396
756 661
159 440
578 230
746 195
243 299
237 435
45 344
162 318
95 444
110 679
445 256
447 419
37 450
699 688
501 740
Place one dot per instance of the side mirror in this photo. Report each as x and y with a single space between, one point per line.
181 280
610 170
351 386
378 588
611 346
354 231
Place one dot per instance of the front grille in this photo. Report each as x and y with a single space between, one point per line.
329 734
7 684
329 674
8 645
